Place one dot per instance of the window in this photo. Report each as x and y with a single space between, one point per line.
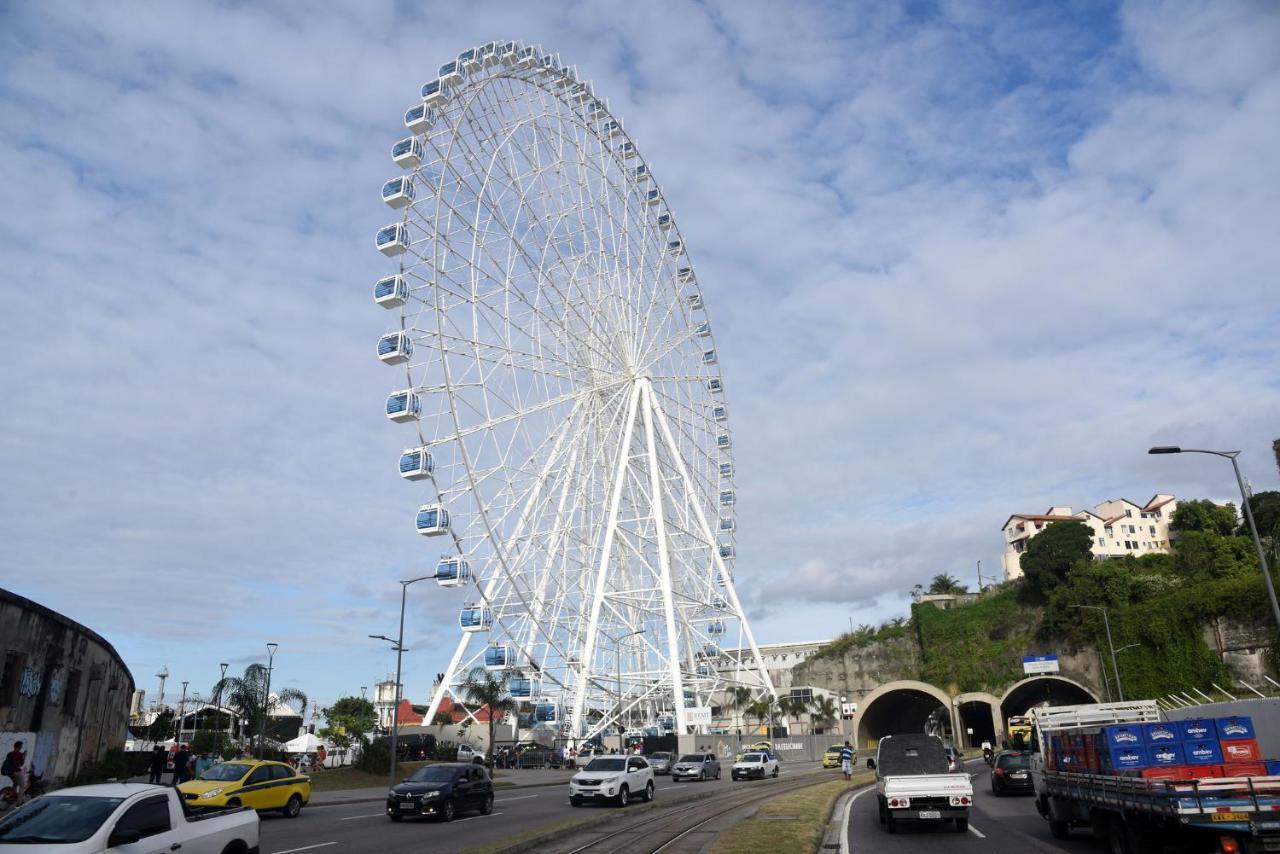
13 664
1153 529
1144 515
281 772
148 818
1101 542
261 774
1128 514
72 692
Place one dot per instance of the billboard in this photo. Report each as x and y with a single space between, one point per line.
1034 664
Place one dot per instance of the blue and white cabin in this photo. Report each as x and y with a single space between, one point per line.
695 301
453 571
404 406
407 153
391 292
488 54
675 248
727 551
611 128
435 92
715 627
475 618
529 56
597 110
395 349
727 523
580 93
498 657
685 275
710 650
628 150
468 61
521 686
665 221
432 520
723 442
727 497
653 197
703 329
726 470
392 240
715 385
718 602
709 357
720 412
546 712
667 723
705 671
451 73
507 53
642 174
416 464
551 64
419 119
398 192
569 76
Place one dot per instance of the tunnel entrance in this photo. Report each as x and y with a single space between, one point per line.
1042 690
902 710
975 715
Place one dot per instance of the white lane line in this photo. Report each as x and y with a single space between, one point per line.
461 820
976 832
370 815
521 798
305 848
844 822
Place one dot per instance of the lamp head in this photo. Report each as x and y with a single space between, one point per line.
1165 449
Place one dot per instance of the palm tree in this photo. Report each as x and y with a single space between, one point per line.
484 688
946 583
247 694
791 706
740 701
760 709
825 711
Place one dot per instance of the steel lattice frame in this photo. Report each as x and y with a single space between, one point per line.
567 378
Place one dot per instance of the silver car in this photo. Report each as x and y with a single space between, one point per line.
661 762
696 766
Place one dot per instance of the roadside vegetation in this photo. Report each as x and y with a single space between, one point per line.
794 822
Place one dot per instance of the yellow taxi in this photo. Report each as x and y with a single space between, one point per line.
831 759
249 783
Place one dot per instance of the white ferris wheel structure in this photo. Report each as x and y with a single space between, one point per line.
571 423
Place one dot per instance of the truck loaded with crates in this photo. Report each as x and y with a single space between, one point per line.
1147 784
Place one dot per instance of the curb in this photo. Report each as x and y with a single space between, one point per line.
369 799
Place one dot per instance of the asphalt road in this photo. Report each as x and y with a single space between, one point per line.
996 825
365 826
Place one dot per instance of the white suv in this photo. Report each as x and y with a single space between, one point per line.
612 778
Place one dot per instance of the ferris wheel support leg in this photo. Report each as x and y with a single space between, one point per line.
664 560
449 673
711 540
602 573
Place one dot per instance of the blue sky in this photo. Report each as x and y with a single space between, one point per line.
964 259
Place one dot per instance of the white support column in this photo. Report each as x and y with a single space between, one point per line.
713 542
664 559
602 574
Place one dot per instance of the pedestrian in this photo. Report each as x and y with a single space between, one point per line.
156 766
846 760
321 754
181 760
14 768
204 762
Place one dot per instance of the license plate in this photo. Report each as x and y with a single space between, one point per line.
1230 816
930 814
1017 776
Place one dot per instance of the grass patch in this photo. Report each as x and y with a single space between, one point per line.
335 779
759 835
509 841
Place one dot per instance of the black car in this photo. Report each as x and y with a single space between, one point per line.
442 790
1011 772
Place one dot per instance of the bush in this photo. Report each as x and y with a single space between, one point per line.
376 758
445 751
213 741
114 765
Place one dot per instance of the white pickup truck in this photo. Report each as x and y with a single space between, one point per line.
125 818
912 783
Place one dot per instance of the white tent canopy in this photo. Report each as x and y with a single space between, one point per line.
305 743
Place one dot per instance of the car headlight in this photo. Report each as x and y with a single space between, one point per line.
212 793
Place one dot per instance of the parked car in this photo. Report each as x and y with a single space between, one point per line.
125 816
696 766
249 783
586 754
755 766
618 778
442 790
1011 772
661 761
831 759
467 753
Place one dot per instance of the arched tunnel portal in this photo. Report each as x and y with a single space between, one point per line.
899 707
1041 690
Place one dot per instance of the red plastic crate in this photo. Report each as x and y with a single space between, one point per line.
1241 751
1168 772
1243 769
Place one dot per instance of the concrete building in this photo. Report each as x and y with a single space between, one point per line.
64 690
779 659
1120 527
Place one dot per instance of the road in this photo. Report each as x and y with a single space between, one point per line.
996 824
365 827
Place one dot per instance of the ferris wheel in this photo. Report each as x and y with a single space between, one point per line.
571 422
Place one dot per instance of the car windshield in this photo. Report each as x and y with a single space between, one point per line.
226 772
666 756
607 763
692 757
753 757
55 819
1015 760
432 774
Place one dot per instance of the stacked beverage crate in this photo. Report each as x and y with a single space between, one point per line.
1165 750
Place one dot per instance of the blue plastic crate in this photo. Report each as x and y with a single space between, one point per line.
1163 732
1159 755
1202 752
1198 729
1236 728
1123 759
1123 735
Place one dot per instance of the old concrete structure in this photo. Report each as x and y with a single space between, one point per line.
64 691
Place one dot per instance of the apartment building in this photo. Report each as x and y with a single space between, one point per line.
1120 527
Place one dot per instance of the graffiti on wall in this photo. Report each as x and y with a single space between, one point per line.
29 684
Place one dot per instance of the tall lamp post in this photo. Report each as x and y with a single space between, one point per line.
1110 645
1248 514
217 702
266 697
398 645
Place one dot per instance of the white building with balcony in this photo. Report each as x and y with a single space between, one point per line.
1120 527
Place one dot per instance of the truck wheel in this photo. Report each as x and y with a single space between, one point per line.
890 823
1059 829
962 825
293 807
881 811
1117 836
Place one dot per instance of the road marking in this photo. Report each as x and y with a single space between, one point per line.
461 820
370 815
521 798
976 832
844 823
305 848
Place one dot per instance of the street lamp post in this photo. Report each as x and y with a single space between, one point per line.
217 702
1248 514
1110 645
363 689
266 697
398 644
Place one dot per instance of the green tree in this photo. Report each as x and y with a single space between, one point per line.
761 709
739 699
162 727
347 721
247 694
488 690
1202 515
943 583
1051 554
1266 515
825 712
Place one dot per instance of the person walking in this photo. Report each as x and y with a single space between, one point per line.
846 760
181 760
14 768
156 766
